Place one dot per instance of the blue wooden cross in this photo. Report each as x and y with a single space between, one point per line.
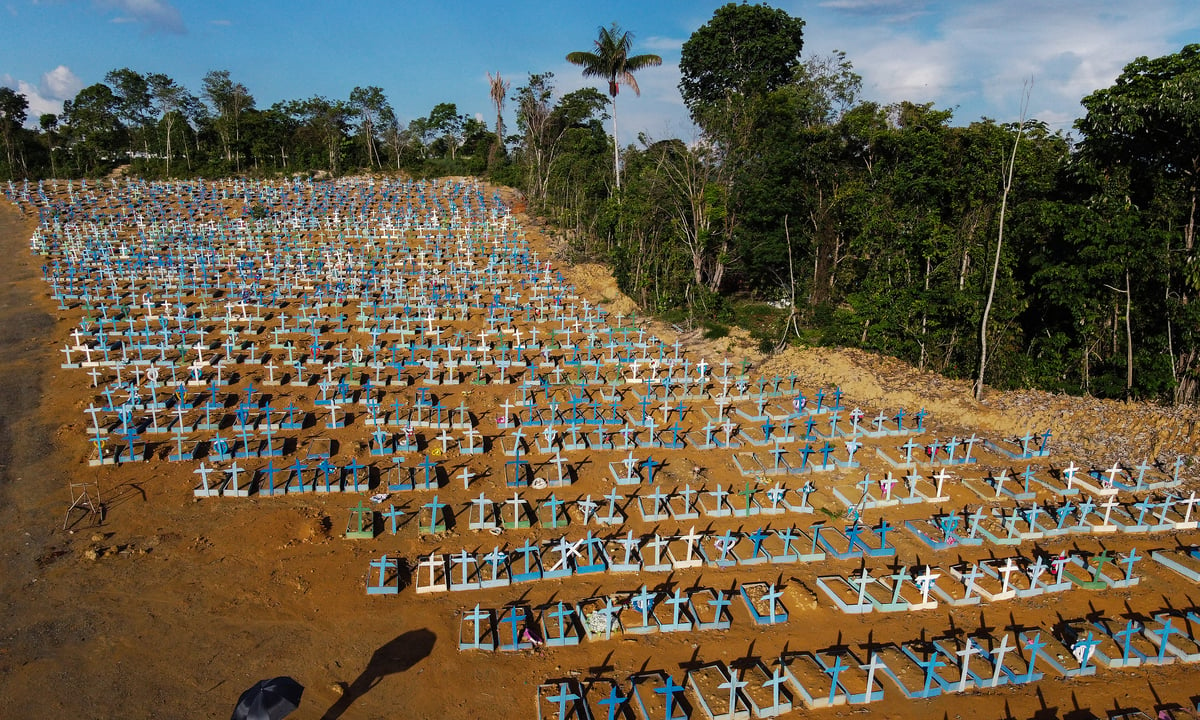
777 679
1087 646
834 671
668 691
733 685
1035 648
381 586
613 702
1164 633
930 666
393 515
563 698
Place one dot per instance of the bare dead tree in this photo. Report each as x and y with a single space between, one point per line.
987 308
499 91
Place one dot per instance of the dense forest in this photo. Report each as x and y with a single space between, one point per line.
996 251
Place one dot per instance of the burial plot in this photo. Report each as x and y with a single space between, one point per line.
766 692
384 578
1026 447
710 608
513 628
562 700
559 623
431 574
600 617
1174 633
361 524
1183 560
810 678
476 630
656 695
494 571
719 692
763 602
605 701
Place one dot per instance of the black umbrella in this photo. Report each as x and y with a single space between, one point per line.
269 700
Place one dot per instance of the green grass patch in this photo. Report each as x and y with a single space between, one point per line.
764 322
715 330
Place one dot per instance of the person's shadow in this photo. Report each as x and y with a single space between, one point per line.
395 657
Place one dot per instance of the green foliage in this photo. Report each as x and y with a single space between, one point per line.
714 330
13 111
763 320
745 50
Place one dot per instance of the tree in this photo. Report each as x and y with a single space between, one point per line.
696 204
445 125
611 60
744 50
829 87
499 90
93 128
322 125
49 124
544 125
13 111
396 138
230 101
1148 119
1146 128
533 119
173 102
132 93
370 106
734 70
268 133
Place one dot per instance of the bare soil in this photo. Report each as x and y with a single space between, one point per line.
172 605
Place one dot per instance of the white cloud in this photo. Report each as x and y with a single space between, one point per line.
906 70
156 16
38 104
659 43
886 11
47 96
976 56
863 5
60 83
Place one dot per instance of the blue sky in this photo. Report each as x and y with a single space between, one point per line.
971 56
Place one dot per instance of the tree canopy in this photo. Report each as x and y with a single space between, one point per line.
743 50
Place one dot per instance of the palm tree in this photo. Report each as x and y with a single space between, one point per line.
612 61
499 90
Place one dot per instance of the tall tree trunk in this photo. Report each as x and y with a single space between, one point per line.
987 308
169 123
616 144
1128 341
925 313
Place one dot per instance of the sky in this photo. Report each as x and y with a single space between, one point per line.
969 56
